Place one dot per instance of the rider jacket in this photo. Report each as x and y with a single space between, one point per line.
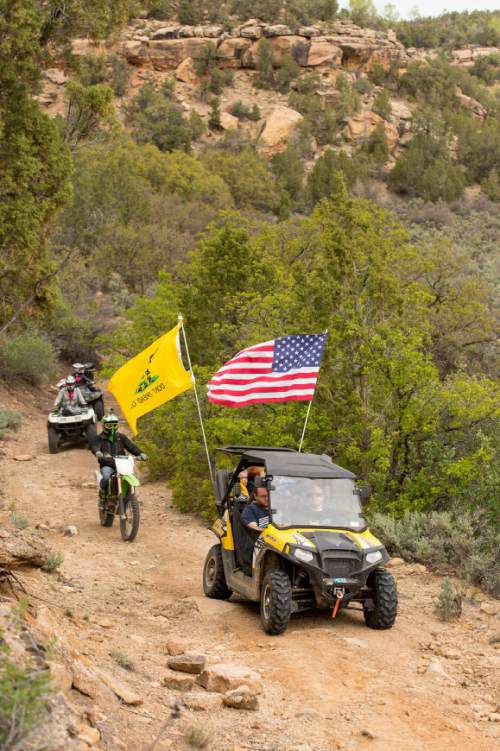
114 448
67 399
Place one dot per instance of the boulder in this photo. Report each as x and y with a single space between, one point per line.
322 52
188 663
223 677
186 72
212 32
231 52
176 646
136 53
281 124
228 121
186 32
89 735
169 53
361 126
178 681
295 46
241 698
308 31
400 110
277 30
166 32
20 548
490 608
251 32
392 136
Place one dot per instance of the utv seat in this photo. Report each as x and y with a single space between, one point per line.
222 480
244 541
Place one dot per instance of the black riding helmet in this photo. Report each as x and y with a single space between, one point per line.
110 425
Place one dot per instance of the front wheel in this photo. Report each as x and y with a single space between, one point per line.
98 406
129 526
276 602
385 600
214 579
53 439
106 517
91 434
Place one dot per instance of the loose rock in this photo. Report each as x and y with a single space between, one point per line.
202 701
187 663
224 677
70 531
241 698
178 681
176 646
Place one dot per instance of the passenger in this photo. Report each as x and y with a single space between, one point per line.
240 489
255 516
69 396
252 473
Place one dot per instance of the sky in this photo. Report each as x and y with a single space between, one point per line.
435 7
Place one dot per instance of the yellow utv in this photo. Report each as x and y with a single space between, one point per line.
316 551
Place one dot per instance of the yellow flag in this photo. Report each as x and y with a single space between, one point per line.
151 378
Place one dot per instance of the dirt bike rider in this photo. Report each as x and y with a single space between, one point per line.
69 396
107 445
81 378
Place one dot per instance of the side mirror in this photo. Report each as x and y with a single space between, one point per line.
364 493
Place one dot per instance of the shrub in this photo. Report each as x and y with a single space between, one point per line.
24 696
197 735
464 541
288 71
54 561
91 69
29 356
214 116
120 72
155 118
245 112
330 170
363 85
123 660
448 606
9 420
382 104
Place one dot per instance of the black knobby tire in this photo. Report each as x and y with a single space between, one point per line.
53 439
106 518
129 527
385 598
91 433
276 602
214 579
98 406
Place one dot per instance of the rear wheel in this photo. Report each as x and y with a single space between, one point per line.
214 579
91 433
53 440
98 406
276 602
385 598
129 526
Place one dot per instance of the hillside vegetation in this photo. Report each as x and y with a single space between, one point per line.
133 195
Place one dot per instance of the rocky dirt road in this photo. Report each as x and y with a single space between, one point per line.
423 686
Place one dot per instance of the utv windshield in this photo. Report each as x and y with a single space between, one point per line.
305 502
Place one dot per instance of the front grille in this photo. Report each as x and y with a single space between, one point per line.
340 564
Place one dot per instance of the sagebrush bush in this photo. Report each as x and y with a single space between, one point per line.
24 695
448 606
29 356
464 541
9 420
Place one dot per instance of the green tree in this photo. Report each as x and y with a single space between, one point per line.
362 12
382 104
248 176
89 108
331 171
155 118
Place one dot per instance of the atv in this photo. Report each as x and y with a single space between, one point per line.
84 377
316 552
70 424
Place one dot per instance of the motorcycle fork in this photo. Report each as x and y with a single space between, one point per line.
121 506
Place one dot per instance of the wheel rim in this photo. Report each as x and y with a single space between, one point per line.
266 601
211 571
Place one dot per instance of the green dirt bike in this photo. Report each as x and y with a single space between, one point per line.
121 498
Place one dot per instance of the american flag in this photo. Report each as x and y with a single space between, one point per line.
281 370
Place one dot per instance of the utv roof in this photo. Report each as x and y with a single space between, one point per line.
289 462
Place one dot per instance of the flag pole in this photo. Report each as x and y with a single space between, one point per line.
305 425
181 324
307 414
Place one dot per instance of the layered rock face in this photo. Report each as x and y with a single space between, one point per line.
165 47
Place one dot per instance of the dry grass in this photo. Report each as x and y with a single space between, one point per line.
123 660
198 736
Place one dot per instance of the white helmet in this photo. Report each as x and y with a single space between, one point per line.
78 367
70 382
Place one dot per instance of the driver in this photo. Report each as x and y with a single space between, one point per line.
107 445
255 515
70 395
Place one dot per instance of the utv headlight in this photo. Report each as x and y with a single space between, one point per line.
374 556
303 555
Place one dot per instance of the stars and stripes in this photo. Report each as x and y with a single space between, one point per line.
280 370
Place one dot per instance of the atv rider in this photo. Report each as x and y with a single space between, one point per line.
81 378
107 445
69 396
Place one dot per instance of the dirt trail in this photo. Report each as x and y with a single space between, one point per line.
327 685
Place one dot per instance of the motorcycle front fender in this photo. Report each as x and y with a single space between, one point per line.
131 480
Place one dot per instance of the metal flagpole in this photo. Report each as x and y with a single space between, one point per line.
307 414
305 425
181 323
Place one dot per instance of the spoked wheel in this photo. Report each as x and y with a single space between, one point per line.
105 517
129 526
385 599
214 579
276 602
